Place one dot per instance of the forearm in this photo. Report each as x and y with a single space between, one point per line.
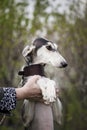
8 101
22 93
11 95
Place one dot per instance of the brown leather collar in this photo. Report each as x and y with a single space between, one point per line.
31 70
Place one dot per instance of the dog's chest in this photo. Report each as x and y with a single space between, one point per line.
46 85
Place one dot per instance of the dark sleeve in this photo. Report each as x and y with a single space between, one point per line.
7 99
1 93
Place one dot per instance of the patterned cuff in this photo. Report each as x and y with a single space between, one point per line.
1 93
8 102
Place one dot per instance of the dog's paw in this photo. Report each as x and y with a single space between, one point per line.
48 89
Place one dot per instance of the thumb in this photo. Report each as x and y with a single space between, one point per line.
34 78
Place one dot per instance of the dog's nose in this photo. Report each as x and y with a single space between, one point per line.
64 64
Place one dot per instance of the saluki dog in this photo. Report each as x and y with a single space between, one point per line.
37 115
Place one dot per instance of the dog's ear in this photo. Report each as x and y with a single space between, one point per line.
28 50
28 53
56 46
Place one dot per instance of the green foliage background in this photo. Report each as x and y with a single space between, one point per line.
69 30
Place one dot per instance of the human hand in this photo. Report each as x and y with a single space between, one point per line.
30 89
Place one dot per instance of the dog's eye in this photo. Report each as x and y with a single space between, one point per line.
49 48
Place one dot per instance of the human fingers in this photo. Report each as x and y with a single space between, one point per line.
34 78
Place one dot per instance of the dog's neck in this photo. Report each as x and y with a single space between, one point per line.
35 69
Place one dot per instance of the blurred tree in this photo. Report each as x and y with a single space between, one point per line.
68 30
13 33
74 41
13 24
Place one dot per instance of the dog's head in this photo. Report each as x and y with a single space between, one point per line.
43 51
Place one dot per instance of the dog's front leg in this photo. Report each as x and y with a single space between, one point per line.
47 87
57 111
